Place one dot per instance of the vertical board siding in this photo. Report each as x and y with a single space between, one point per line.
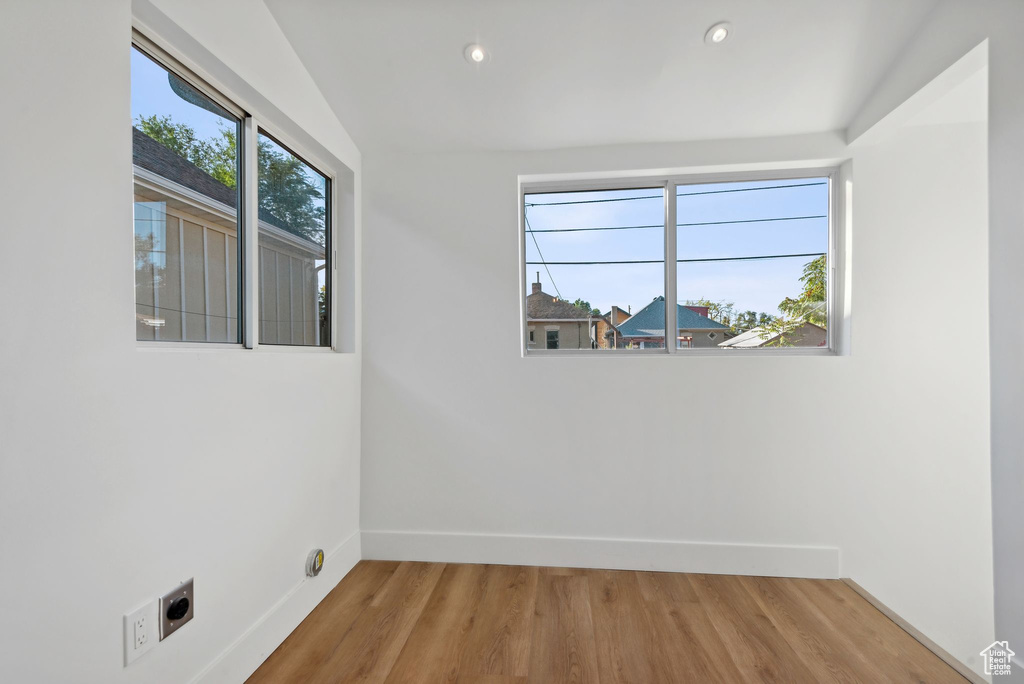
216 285
268 297
284 303
170 290
181 276
191 282
195 280
295 267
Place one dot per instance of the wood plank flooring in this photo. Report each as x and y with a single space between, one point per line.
399 623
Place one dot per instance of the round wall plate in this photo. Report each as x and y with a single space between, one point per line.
314 562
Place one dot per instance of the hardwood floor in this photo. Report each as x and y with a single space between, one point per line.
392 622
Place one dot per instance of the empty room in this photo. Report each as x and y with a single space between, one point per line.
511 342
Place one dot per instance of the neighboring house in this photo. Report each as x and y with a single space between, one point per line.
646 328
607 328
804 335
186 277
553 323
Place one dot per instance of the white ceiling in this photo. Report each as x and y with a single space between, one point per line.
566 73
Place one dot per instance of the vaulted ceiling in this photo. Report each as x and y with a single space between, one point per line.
564 73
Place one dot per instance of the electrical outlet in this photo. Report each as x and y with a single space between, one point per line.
140 631
176 608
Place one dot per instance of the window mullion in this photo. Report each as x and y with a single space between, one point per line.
250 242
671 327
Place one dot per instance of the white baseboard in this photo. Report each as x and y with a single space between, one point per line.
943 655
248 652
612 554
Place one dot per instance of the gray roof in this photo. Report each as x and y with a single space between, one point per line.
761 336
153 156
650 321
541 305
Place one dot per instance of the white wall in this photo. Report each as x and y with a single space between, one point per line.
915 516
446 423
447 470
124 471
954 28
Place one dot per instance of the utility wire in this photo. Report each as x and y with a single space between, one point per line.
760 257
678 194
540 254
679 225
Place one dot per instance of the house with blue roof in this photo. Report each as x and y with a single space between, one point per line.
646 328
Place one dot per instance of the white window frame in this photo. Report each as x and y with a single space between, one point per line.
669 183
248 266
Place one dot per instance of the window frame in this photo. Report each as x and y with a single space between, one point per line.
248 210
669 183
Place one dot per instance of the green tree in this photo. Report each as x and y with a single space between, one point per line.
717 311
288 194
809 306
585 306
751 319
288 198
216 156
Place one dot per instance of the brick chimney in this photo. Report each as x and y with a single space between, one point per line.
536 285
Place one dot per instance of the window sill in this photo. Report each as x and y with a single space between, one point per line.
217 347
661 353
222 347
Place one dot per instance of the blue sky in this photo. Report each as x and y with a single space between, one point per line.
151 94
753 285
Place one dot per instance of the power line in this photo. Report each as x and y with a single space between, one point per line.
680 225
595 201
678 194
760 257
763 187
541 255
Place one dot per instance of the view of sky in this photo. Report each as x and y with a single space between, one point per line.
151 94
638 217
737 211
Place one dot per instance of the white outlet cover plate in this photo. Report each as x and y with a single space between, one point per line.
148 621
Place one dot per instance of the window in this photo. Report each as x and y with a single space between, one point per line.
552 339
589 275
750 270
191 265
187 225
293 246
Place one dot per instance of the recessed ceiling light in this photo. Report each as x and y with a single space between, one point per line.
475 54
718 33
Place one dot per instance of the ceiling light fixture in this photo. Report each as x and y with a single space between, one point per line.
475 54
718 33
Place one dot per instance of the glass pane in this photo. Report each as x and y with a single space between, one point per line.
293 270
596 265
752 264
186 161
